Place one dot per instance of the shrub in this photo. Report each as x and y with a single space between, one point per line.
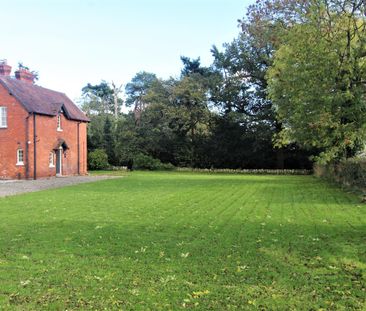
167 167
349 173
145 162
98 159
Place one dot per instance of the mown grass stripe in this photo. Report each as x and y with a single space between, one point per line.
161 240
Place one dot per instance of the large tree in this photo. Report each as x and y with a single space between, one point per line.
318 81
136 91
240 83
179 113
102 99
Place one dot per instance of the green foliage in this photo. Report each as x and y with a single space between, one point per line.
136 91
317 81
128 141
145 162
98 159
217 116
95 132
172 241
240 88
193 66
109 145
137 88
350 173
100 99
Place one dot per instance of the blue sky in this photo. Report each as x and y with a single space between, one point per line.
73 42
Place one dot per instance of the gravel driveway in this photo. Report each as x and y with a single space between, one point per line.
13 187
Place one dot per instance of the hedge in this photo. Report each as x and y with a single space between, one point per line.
349 173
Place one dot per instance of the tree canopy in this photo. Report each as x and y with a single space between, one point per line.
317 81
291 86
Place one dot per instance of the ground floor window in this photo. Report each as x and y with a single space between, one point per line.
20 157
51 159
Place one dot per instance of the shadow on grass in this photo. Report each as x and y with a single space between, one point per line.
260 262
248 241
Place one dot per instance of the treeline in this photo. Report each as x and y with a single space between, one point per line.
289 90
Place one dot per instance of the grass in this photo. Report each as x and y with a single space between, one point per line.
168 241
109 173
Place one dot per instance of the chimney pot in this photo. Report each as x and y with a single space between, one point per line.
5 69
24 75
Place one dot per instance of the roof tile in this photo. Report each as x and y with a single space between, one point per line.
37 99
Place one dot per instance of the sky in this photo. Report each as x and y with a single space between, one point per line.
75 42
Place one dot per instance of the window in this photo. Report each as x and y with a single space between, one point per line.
51 159
3 117
20 157
59 122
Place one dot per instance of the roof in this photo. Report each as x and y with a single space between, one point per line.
37 99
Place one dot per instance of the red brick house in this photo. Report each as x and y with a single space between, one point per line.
42 132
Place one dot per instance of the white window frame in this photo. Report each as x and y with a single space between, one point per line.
3 117
51 159
20 157
59 126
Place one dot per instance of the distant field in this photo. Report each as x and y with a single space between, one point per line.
168 241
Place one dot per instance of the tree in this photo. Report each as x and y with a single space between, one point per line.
190 97
136 90
97 99
192 66
117 101
108 142
240 82
218 116
128 142
317 81
177 114
102 99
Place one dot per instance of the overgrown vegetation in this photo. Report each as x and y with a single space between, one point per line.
349 173
171 241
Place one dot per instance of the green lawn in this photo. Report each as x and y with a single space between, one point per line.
165 241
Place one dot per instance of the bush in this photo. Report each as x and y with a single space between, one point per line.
145 162
98 159
167 167
350 173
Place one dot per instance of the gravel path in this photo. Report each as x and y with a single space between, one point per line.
13 187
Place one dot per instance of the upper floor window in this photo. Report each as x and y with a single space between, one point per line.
3 117
59 128
20 157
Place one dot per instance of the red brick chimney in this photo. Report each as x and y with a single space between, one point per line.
23 74
5 69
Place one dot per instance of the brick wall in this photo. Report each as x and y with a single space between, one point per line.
13 137
74 158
